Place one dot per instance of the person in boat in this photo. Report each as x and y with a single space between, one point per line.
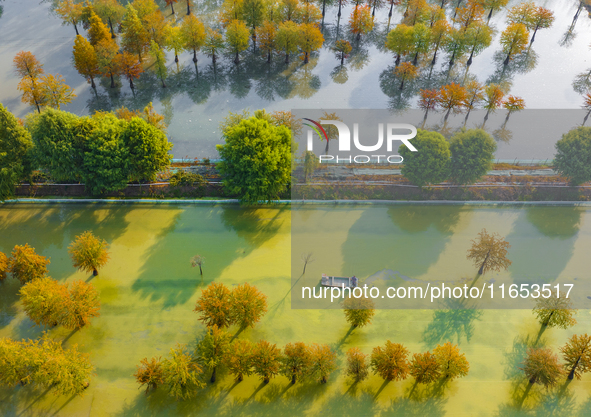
353 281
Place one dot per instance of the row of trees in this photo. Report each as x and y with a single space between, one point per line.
455 98
104 151
425 28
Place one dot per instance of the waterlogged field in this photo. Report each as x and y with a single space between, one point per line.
148 291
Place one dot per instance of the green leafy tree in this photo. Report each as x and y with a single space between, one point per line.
159 62
287 38
400 40
214 306
213 349
541 367
192 32
573 155
310 164
248 305
239 359
106 160
478 38
452 363
472 153
421 41
16 149
456 44
430 164
44 300
253 13
577 355
182 375
150 373
70 13
514 40
357 366
323 362
424 368
390 362
213 44
342 48
256 160
555 311
135 38
296 361
489 252
85 60
25 265
237 38
266 360
89 253
174 40
359 311
439 36
110 11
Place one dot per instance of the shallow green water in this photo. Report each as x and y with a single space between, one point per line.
148 291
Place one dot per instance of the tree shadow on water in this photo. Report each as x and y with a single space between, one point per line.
454 324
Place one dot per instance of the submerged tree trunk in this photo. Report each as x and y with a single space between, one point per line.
75 28
176 57
489 16
237 58
533 36
481 270
195 55
131 83
94 272
416 59
287 58
323 8
212 380
172 7
188 8
342 58
401 85
506 61
293 379
586 117
339 13
547 321
92 84
571 374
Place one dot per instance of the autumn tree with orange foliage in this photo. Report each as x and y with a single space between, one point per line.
29 69
452 363
357 366
55 91
25 265
405 72
514 40
513 104
106 55
296 361
130 67
323 362
247 305
266 37
424 368
3 266
266 360
239 359
577 355
150 373
310 39
541 367
361 21
97 31
89 253
489 252
451 98
85 60
171 4
429 100
214 306
390 362
493 98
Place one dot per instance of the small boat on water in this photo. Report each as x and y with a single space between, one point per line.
330 281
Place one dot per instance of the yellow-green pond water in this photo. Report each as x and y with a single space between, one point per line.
148 291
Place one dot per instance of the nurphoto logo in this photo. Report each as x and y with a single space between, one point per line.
389 135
